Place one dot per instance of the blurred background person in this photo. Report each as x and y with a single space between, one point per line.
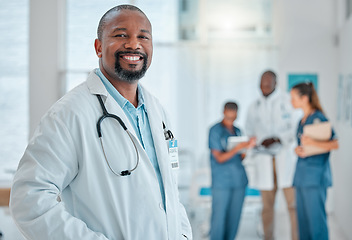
229 179
313 174
270 119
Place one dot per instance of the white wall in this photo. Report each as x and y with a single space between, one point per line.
46 56
342 161
306 44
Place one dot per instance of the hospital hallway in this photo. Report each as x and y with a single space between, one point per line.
205 53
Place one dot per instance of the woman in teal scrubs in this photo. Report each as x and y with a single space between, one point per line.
313 174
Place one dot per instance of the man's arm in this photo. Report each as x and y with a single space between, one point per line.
222 157
48 166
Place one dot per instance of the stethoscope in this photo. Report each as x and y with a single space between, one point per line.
167 133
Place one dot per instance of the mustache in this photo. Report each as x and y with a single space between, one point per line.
119 53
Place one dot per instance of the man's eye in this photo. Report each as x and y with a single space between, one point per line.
120 35
143 37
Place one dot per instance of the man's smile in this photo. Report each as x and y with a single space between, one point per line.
131 58
130 65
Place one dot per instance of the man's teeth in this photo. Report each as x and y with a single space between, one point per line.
132 58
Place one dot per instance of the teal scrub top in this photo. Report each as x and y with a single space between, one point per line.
314 170
230 174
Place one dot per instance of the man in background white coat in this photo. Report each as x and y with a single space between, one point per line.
271 120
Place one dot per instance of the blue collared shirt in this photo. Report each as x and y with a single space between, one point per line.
138 118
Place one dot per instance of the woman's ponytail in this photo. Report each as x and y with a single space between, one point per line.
307 89
314 101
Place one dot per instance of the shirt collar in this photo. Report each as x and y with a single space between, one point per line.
225 128
123 102
271 96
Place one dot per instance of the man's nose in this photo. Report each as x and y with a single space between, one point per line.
133 43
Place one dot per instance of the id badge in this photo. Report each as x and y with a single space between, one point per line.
173 154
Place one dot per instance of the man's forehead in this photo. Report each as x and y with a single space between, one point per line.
267 79
230 111
122 17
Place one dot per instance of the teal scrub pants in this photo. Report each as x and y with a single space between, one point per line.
311 214
226 212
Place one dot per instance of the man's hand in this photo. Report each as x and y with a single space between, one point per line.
249 144
267 142
252 142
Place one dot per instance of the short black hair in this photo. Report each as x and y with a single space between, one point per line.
102 21
231 106
271 73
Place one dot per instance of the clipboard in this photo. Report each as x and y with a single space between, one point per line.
234 140
317 131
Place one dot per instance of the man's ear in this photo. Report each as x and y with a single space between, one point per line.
98 48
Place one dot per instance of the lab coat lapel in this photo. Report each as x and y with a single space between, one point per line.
266 111
96 86
156 116
114 108
155 120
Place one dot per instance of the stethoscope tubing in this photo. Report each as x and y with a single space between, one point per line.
105 115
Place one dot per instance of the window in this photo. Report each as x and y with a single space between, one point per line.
13 81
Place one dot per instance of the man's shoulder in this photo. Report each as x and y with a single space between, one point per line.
150 98
74 101
216 127
255 103
153 106
283 94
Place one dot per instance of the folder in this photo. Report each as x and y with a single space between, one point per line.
232 141
317 131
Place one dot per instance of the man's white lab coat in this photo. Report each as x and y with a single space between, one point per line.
267 117
64 160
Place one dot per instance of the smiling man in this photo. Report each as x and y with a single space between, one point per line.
124 48
97 166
